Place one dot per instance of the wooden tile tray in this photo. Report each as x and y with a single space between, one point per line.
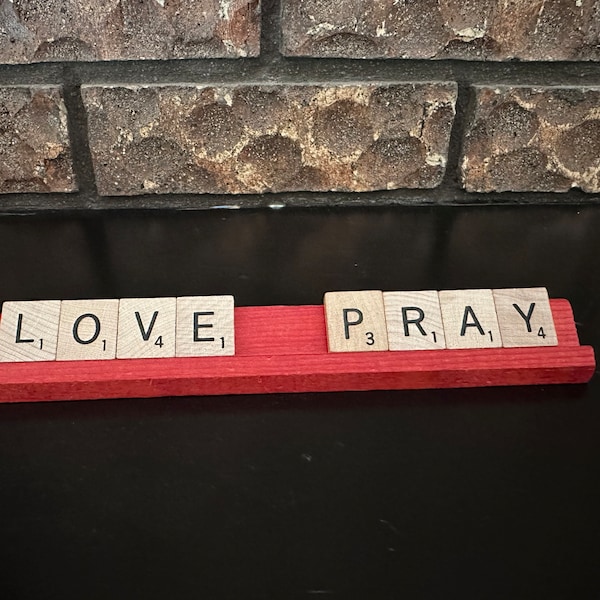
283 349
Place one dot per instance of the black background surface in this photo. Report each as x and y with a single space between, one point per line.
484 493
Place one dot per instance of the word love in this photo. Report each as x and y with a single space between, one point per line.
431 320
65 330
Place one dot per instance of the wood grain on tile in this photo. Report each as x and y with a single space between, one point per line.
470 319
29 331
414 320
205 326
525 317
355 321
146 328
88 330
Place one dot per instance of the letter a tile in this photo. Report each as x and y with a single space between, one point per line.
29 331
205 326
470 319
146 328
525 317
414 320
88 330
355 321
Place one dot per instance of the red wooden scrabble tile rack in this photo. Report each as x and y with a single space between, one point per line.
284 349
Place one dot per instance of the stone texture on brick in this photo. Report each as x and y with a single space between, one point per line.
471 29
533 139
35 153
89 30
240 139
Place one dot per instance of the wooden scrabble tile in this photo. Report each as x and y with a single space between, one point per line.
525 317
29 331
88 330
355 321
414 320
146 328
469 318
205 326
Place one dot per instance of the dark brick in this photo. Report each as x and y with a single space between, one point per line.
533 139
269 138
471 29
35 153
89 30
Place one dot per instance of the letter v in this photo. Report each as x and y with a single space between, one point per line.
146 334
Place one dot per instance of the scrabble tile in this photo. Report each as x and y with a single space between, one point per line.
146 328
205 326
29 331
414 320
355 321
525 317
469 318
88 330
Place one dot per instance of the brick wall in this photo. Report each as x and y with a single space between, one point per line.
204 103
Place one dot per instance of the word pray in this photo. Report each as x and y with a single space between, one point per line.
430 320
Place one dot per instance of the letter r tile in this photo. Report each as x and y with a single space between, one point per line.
205 326
414 320
469 318
88 330
29 331
147 328
525 317
355 321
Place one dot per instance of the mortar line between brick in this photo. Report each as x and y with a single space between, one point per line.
78 133
270 32
272 67
452 174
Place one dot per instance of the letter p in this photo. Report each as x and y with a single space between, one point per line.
348 323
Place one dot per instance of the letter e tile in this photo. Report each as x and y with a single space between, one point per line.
205 326
146 328
470 319
88 330
525 317
29 331
355 321
414 320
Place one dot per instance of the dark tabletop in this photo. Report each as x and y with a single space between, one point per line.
470 494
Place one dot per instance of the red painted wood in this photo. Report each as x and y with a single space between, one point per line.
283 349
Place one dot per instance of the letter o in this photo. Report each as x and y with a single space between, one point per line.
94 337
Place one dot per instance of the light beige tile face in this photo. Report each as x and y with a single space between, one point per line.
88 330
205 326
355 321
469 318
525 317
146 328
29 331
414 320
